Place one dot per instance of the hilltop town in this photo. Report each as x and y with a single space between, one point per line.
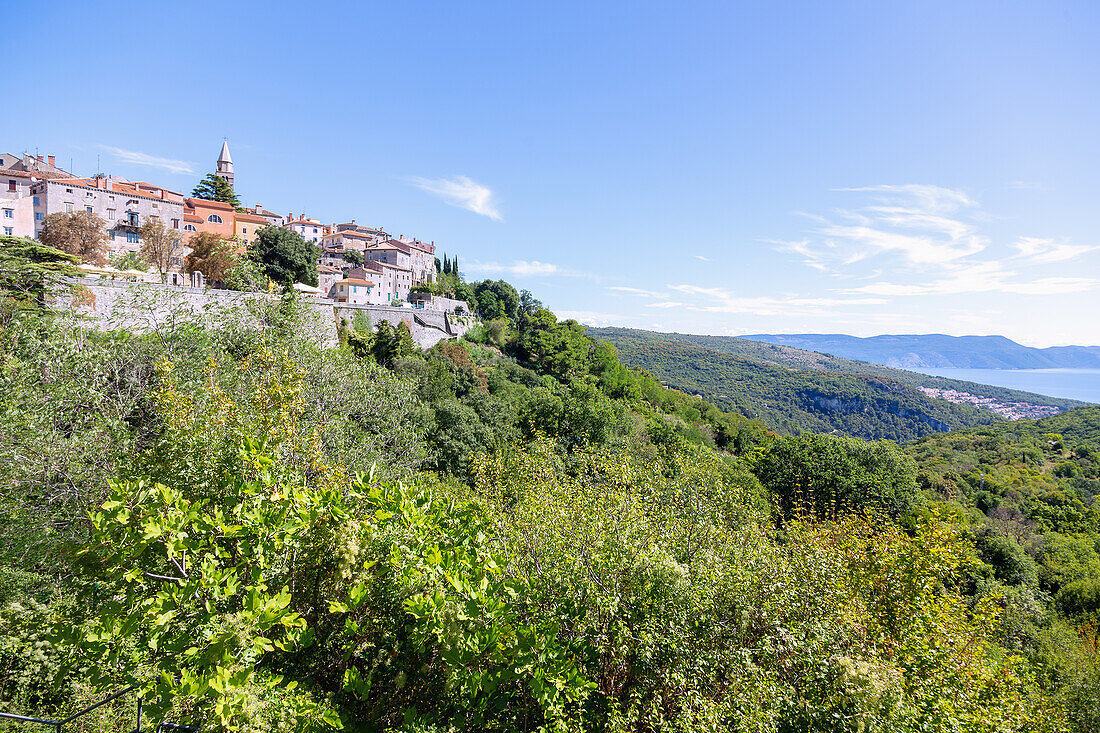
356 264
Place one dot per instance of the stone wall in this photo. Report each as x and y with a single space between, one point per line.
147 307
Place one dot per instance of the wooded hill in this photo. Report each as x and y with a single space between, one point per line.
794 391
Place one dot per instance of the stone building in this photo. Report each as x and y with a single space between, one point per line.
416 256
123 205
275 220
354 290
310 229
17 174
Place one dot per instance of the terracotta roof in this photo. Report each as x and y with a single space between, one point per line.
207 204
33 174
189 217
126 189
250 217
356 281
326 268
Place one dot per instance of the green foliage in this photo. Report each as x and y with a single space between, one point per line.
285 256
128 260
216 188
28 269
828 476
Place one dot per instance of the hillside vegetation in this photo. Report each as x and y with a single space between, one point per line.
802 359
796 400
510 532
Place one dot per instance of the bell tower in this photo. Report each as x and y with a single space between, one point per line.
225 164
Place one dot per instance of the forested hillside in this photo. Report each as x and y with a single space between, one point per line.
797 400
802 359
510 532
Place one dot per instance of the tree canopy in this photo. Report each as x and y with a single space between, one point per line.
285 256
216 188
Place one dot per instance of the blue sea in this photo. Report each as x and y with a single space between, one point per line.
1074 384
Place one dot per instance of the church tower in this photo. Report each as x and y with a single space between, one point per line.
225 164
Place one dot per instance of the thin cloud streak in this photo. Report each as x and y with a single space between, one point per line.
519 267
1046 251
137 158
462 192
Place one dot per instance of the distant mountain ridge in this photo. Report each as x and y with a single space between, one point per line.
940 351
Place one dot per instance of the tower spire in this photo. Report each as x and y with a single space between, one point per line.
225 164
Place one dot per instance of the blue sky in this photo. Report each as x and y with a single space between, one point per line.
722 167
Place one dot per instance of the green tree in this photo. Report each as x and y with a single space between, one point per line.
216 188
79 233
353 256
828 476
285 256
127 260
29 268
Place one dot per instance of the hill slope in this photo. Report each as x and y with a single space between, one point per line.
793 391
940 351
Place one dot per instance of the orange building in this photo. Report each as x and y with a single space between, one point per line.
245 226
209 216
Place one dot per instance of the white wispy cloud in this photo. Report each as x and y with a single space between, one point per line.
980 277
720 300
462 192
637 292
518 267
701 258
1046 251
137 158
927 226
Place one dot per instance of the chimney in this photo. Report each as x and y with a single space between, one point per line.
259 208
290 216
40 160
51 159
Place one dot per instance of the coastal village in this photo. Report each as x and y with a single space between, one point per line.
357 265
1007 410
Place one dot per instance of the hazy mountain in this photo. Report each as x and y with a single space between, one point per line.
940 351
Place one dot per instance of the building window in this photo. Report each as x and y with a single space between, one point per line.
68 208
111 214
11 185
88 209
35 201
214 219
132 238
7 231
244 230
9 213
68 190
175 223
132 218
188 227
38 216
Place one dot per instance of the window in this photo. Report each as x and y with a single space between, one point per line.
111 198
88 209
111 214
244 230
132 237
132 218
68 190
38 216
7 231
9 213
68 208
175 223
11 185
35 201
314 231
214 219
188 227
